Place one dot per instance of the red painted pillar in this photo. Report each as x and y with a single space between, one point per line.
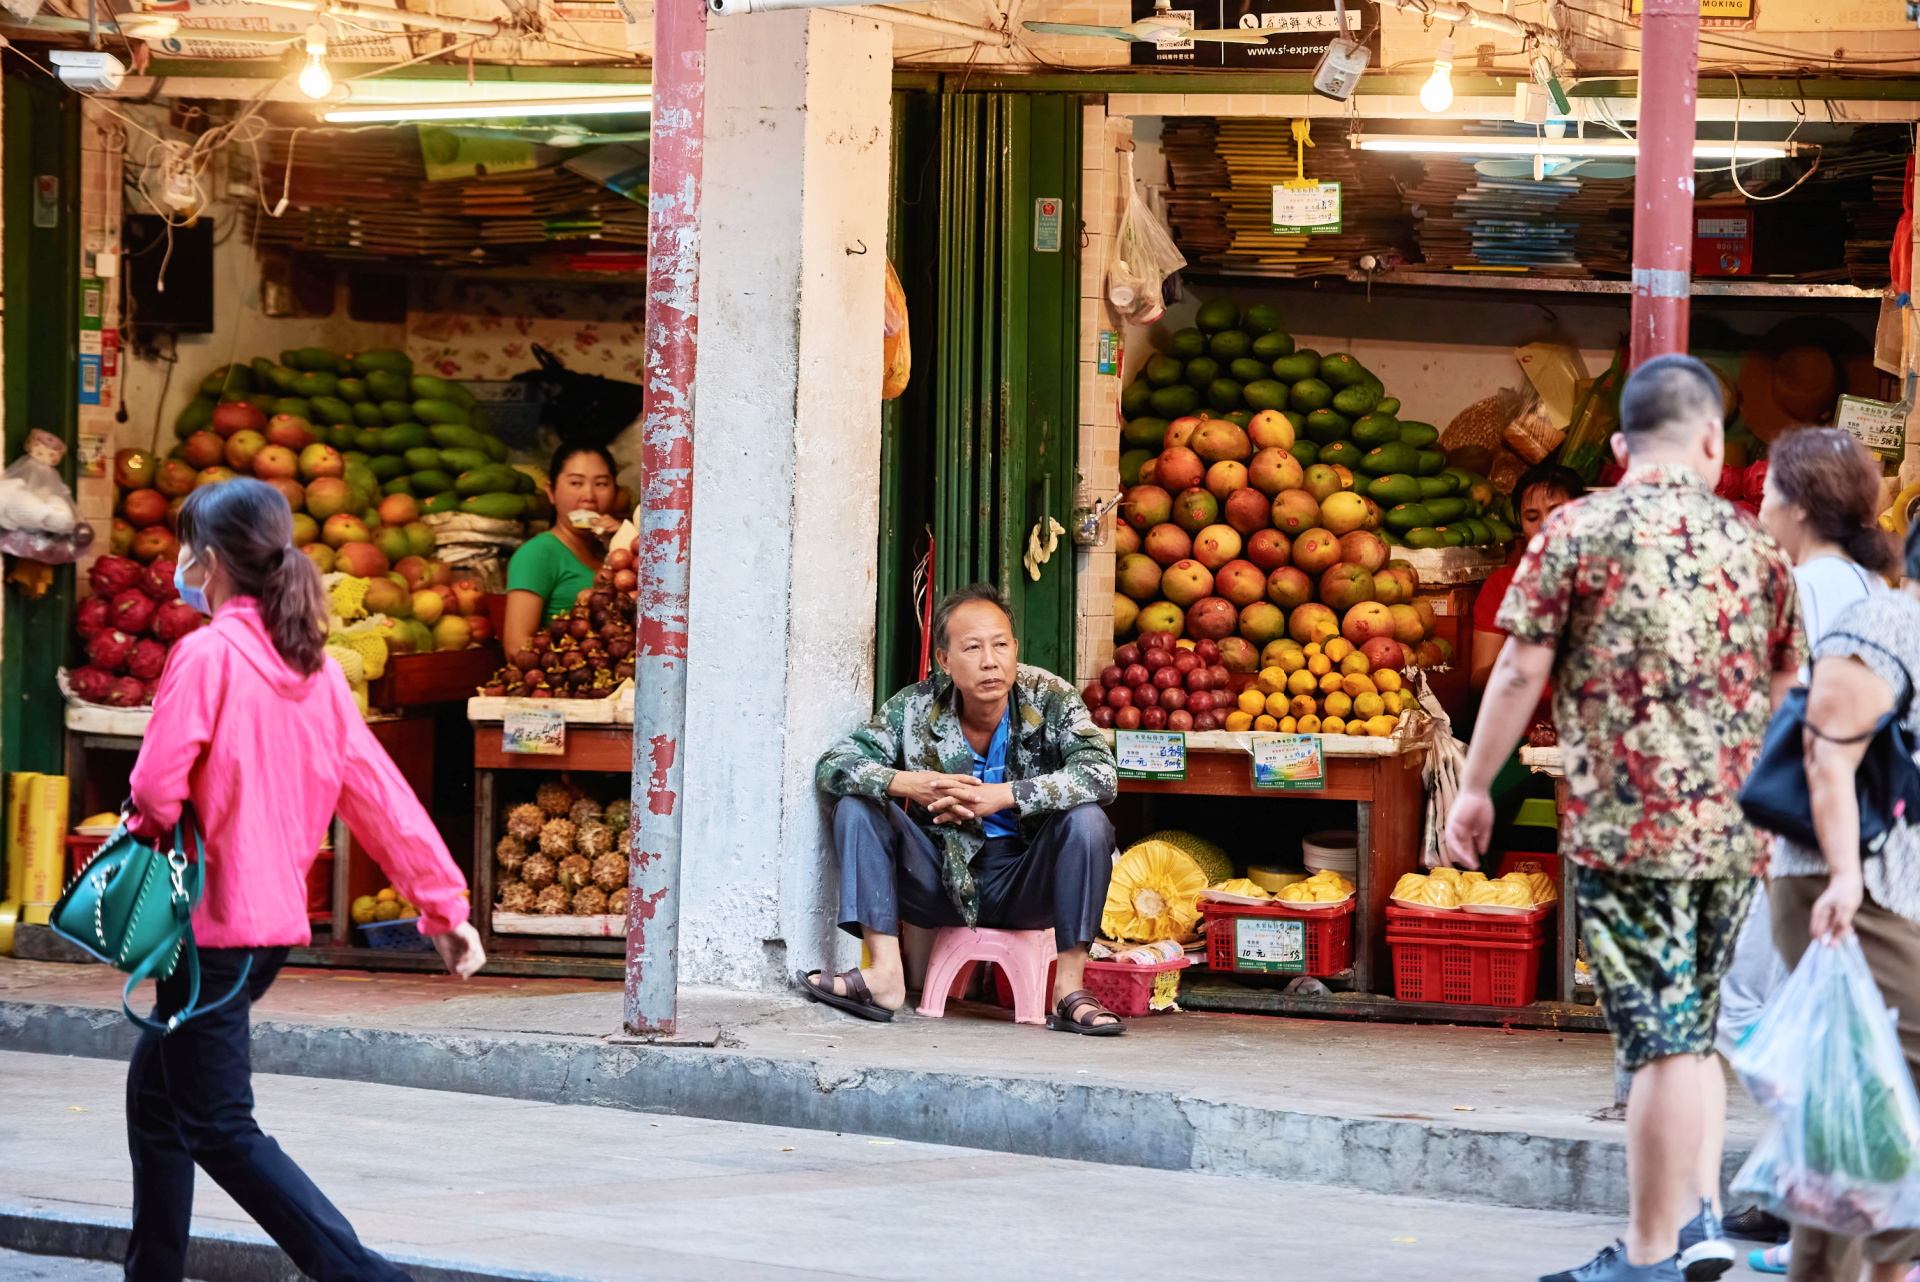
1663 178
666 515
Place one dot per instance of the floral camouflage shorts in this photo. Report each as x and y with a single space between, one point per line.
1658 948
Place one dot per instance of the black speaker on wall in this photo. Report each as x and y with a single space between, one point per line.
185 268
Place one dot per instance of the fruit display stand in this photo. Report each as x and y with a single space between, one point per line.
598 741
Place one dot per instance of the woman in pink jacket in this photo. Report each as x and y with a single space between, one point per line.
260 732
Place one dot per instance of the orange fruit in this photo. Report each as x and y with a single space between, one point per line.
1337 649
1302 682
1239 721
1289 725
1330 683
1251 702
1277 703
1309 725
1319 665
1333 725
1356 684
1265 723
1270 680
1303 705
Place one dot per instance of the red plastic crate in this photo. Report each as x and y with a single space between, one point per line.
1470 959
1128 990
81 852
320 888
1327 938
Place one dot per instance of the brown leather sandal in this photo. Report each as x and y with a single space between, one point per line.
1072 1013
858 999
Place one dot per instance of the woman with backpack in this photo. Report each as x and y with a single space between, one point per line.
255 729
1865 664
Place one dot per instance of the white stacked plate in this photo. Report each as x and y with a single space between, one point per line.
1336 849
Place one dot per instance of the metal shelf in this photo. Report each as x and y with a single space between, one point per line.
1504 283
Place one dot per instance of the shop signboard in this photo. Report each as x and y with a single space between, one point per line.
1150 754
1881 426
1288 761
1300 31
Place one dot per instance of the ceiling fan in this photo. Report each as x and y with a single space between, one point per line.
1162 27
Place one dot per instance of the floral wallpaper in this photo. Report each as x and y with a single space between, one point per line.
476 329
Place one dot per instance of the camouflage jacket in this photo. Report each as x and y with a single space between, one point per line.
1056 760
1669 610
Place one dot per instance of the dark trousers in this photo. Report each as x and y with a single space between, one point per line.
890 872
190 1100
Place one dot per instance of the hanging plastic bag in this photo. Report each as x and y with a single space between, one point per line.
1143 257
38 518
1844 1151
896 347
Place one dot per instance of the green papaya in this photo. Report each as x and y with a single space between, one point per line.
496 448
458 460
385 385
352 390
437 411
398 485
431 480
388 467
332 411
501 507
445 501
196 414
384 359
402 437
452 436
316 383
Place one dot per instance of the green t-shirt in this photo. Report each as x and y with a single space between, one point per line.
547 566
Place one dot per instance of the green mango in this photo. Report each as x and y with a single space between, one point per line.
402 437
1437 487
501 507
425 387
1164 371
385 360
1133 399
1175 401
227 379
1389 405
1324 427
1224 394
1375 428
1262 318
1187 344
386 385
1430 462
1230 344
367 440
431 480
1130 464
495 447
396 412
1419 435
1217 315
451 436
1239 418
425 459
445 501
319 359
1355 400
1308 395
1478 530
1424 536
316 383
459 460
428 410
1339 369
290 357
1362 484
1447 509
282 378
398 485
294 405
1451 535
367 414
1248 370
459 395
1407 516
1502 532
1393 489
1342 454
352 390
1200 371
341 438
332 411
1264 393
196 414
1271 347
1394 456
490 479
1145 433
1305 451
388 467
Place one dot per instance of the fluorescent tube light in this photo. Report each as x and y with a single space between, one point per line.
1584 148
494 110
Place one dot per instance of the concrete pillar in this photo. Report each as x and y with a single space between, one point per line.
1103 200
786 477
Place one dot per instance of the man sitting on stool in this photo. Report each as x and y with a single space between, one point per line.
1005 774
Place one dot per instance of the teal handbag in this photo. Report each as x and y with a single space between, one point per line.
133 909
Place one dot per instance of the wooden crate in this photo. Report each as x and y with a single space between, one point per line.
453 676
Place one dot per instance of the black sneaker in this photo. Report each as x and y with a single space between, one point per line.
1704 1254
1755 1224
1611 1266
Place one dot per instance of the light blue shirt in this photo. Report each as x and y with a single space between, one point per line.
992 768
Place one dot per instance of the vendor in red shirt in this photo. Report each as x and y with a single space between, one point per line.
1538 492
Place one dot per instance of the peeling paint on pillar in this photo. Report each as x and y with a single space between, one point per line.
666 513
1663 219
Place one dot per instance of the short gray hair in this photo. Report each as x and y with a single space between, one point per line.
943 613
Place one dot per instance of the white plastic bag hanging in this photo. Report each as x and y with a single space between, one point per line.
38 517
1844 1151
1143 256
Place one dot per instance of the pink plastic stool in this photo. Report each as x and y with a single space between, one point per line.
1022 955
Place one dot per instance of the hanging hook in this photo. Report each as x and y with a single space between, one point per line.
861 250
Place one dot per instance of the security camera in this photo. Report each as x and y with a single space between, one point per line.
89 70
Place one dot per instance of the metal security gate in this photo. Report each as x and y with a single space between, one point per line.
993 437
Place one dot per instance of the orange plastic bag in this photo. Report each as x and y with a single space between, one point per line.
898 351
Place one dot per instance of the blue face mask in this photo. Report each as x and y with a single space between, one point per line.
195 597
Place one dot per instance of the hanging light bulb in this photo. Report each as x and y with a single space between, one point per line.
1437 94
315 80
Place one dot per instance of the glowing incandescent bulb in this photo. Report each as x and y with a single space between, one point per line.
315 80
1437 94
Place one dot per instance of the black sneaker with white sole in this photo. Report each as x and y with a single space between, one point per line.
1704 1252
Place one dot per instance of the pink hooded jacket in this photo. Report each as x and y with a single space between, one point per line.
268 757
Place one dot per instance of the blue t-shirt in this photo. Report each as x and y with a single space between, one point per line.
992 768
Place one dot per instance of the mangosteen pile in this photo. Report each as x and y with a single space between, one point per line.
586 652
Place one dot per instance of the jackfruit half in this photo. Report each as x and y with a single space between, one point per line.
1209 858
1154 894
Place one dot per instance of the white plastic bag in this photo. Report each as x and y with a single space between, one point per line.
38 518
1844 1151
1143 257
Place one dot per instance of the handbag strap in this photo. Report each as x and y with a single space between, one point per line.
183 898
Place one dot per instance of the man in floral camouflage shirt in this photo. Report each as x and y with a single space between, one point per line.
1666 619
1005 774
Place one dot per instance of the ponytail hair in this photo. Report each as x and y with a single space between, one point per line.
248 526
1830 476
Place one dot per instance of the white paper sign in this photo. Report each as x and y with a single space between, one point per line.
1306 211
534 731
1150 754
1878 425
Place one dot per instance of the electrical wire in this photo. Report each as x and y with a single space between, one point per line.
1733 168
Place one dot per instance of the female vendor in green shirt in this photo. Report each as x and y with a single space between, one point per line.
551 569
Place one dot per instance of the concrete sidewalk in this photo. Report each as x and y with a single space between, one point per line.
1473 1114
457 1186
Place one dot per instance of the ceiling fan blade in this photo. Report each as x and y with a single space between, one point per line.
1075 29
1239 36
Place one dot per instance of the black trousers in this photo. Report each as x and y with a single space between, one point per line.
890 872
190 1100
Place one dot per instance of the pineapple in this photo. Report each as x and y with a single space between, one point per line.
516 897
555 798
511 852
617 815
553 902
590 901
524 822
610 873
1154 894
556 838
538 872
575 872
617 902
1207 857
585 811
593 840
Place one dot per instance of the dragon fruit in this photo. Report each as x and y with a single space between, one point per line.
152 688
175 619
126 692
112 575
132 612
1753 480
110 650
94 616
91 684
158 583
148 658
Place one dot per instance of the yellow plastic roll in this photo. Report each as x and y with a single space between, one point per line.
45 822
17 789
